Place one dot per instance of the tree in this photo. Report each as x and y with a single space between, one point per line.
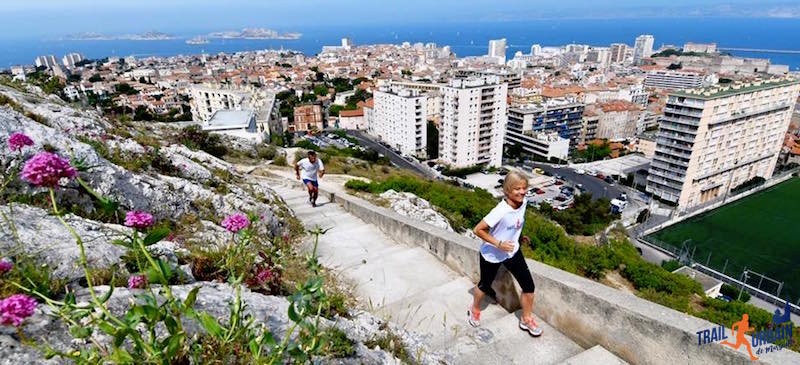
675 66
335 109
307 98
433 140
125 88
514 150
96 78
321 90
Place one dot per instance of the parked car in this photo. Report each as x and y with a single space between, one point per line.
538 171
592 172
609 180
579 187
502 172
623 196
539 191
561 198
600 176
580 171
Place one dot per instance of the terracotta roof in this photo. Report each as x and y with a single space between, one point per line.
618 106
351 113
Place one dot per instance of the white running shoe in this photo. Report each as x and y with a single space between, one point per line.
530 326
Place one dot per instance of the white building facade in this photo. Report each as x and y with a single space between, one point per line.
473 122
400 119
713 139
642 48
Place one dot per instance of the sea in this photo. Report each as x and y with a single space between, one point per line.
465 39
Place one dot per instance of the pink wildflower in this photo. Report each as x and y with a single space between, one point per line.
46 169
137 219
18 141
5 267
14 309
137 282
236 222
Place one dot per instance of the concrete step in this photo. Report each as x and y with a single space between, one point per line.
441 312
596 355
502 342
389 278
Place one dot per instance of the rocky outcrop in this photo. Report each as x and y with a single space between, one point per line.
35 232
166 197
214 299
412 206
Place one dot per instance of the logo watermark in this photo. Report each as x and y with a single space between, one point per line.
761 341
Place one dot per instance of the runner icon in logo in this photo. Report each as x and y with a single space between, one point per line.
744 327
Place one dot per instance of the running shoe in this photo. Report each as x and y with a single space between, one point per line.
530 326
474 318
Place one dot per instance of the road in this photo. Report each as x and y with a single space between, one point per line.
598 188
396 159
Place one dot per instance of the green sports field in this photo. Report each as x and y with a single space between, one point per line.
760 232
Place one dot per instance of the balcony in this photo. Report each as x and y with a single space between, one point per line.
684 111
668 123
669 143
673 152
678 136
672 160
666 174
667 166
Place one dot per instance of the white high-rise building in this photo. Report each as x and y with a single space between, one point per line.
69 60
347 43
713 139
400 119
618 52
473 122
497 50
536 50
48 61
642 48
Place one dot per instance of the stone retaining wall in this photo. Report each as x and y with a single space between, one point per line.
590 313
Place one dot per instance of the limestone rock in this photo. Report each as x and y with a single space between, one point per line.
412 206
42 235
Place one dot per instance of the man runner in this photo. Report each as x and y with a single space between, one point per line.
307 169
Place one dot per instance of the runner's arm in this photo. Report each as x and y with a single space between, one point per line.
321 169
296 170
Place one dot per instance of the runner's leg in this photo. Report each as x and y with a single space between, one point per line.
484 287
519 269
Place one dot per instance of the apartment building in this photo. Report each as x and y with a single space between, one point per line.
400 119
48 61
560 116
69 60
711 140
618 51
617 120
675 80
206 100
643 47
307 118
473 122
497 50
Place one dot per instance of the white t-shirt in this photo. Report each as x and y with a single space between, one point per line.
308 170
506 225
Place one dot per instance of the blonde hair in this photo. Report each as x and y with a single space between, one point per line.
512 178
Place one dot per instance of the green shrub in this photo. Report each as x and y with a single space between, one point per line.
306 144
197 139
733 292
33 275
671 265
358 185
266 152
280 160
337 345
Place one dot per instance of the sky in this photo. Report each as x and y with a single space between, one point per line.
56 18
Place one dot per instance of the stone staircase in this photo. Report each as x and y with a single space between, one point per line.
412 288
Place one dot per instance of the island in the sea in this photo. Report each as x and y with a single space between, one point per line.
255 33
90 36
197 40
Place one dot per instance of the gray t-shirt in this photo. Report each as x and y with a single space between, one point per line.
506 225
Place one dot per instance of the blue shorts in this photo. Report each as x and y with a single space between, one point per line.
313 182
